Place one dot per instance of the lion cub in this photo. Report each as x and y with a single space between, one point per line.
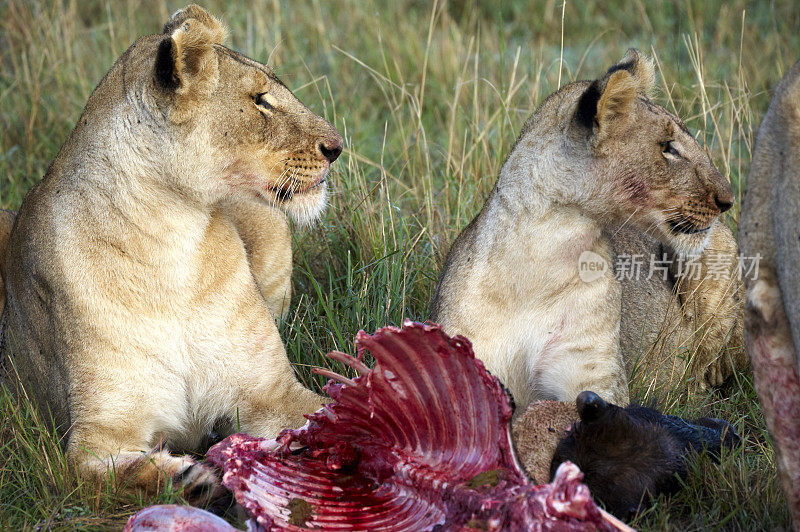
594 157
143 270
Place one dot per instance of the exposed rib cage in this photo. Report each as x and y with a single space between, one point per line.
420 441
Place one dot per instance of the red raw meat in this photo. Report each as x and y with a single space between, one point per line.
422 441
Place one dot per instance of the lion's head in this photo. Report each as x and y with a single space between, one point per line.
663 179
216 121
630 159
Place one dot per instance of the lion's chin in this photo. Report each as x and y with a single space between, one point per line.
684 243
304 208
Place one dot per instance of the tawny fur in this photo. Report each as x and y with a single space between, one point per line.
537 432
682 330
595 156
144 270
6 224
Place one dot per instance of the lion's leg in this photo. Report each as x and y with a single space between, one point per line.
120 423
269 396
711 296
268 242
272 407
147 472
254 384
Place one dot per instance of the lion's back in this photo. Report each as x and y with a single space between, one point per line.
29 350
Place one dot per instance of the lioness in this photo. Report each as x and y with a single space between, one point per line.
768 228
142 270
594 158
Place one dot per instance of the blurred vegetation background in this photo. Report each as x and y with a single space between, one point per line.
430 97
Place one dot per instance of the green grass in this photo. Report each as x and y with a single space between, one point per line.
429 99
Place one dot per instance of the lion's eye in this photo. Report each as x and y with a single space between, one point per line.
261 100
668 148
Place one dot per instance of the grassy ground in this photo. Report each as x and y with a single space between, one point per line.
429 98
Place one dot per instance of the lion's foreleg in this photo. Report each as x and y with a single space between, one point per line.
147 472
271 406
264 230
711 297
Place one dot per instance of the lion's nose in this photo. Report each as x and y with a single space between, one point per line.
330 148
720 189
724 200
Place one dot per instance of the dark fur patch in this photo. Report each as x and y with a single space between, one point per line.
165 66
173 23
626 65
587 105
630 455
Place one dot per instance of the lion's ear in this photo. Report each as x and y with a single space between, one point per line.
616 99
610 98
186 63
639 67
214 26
